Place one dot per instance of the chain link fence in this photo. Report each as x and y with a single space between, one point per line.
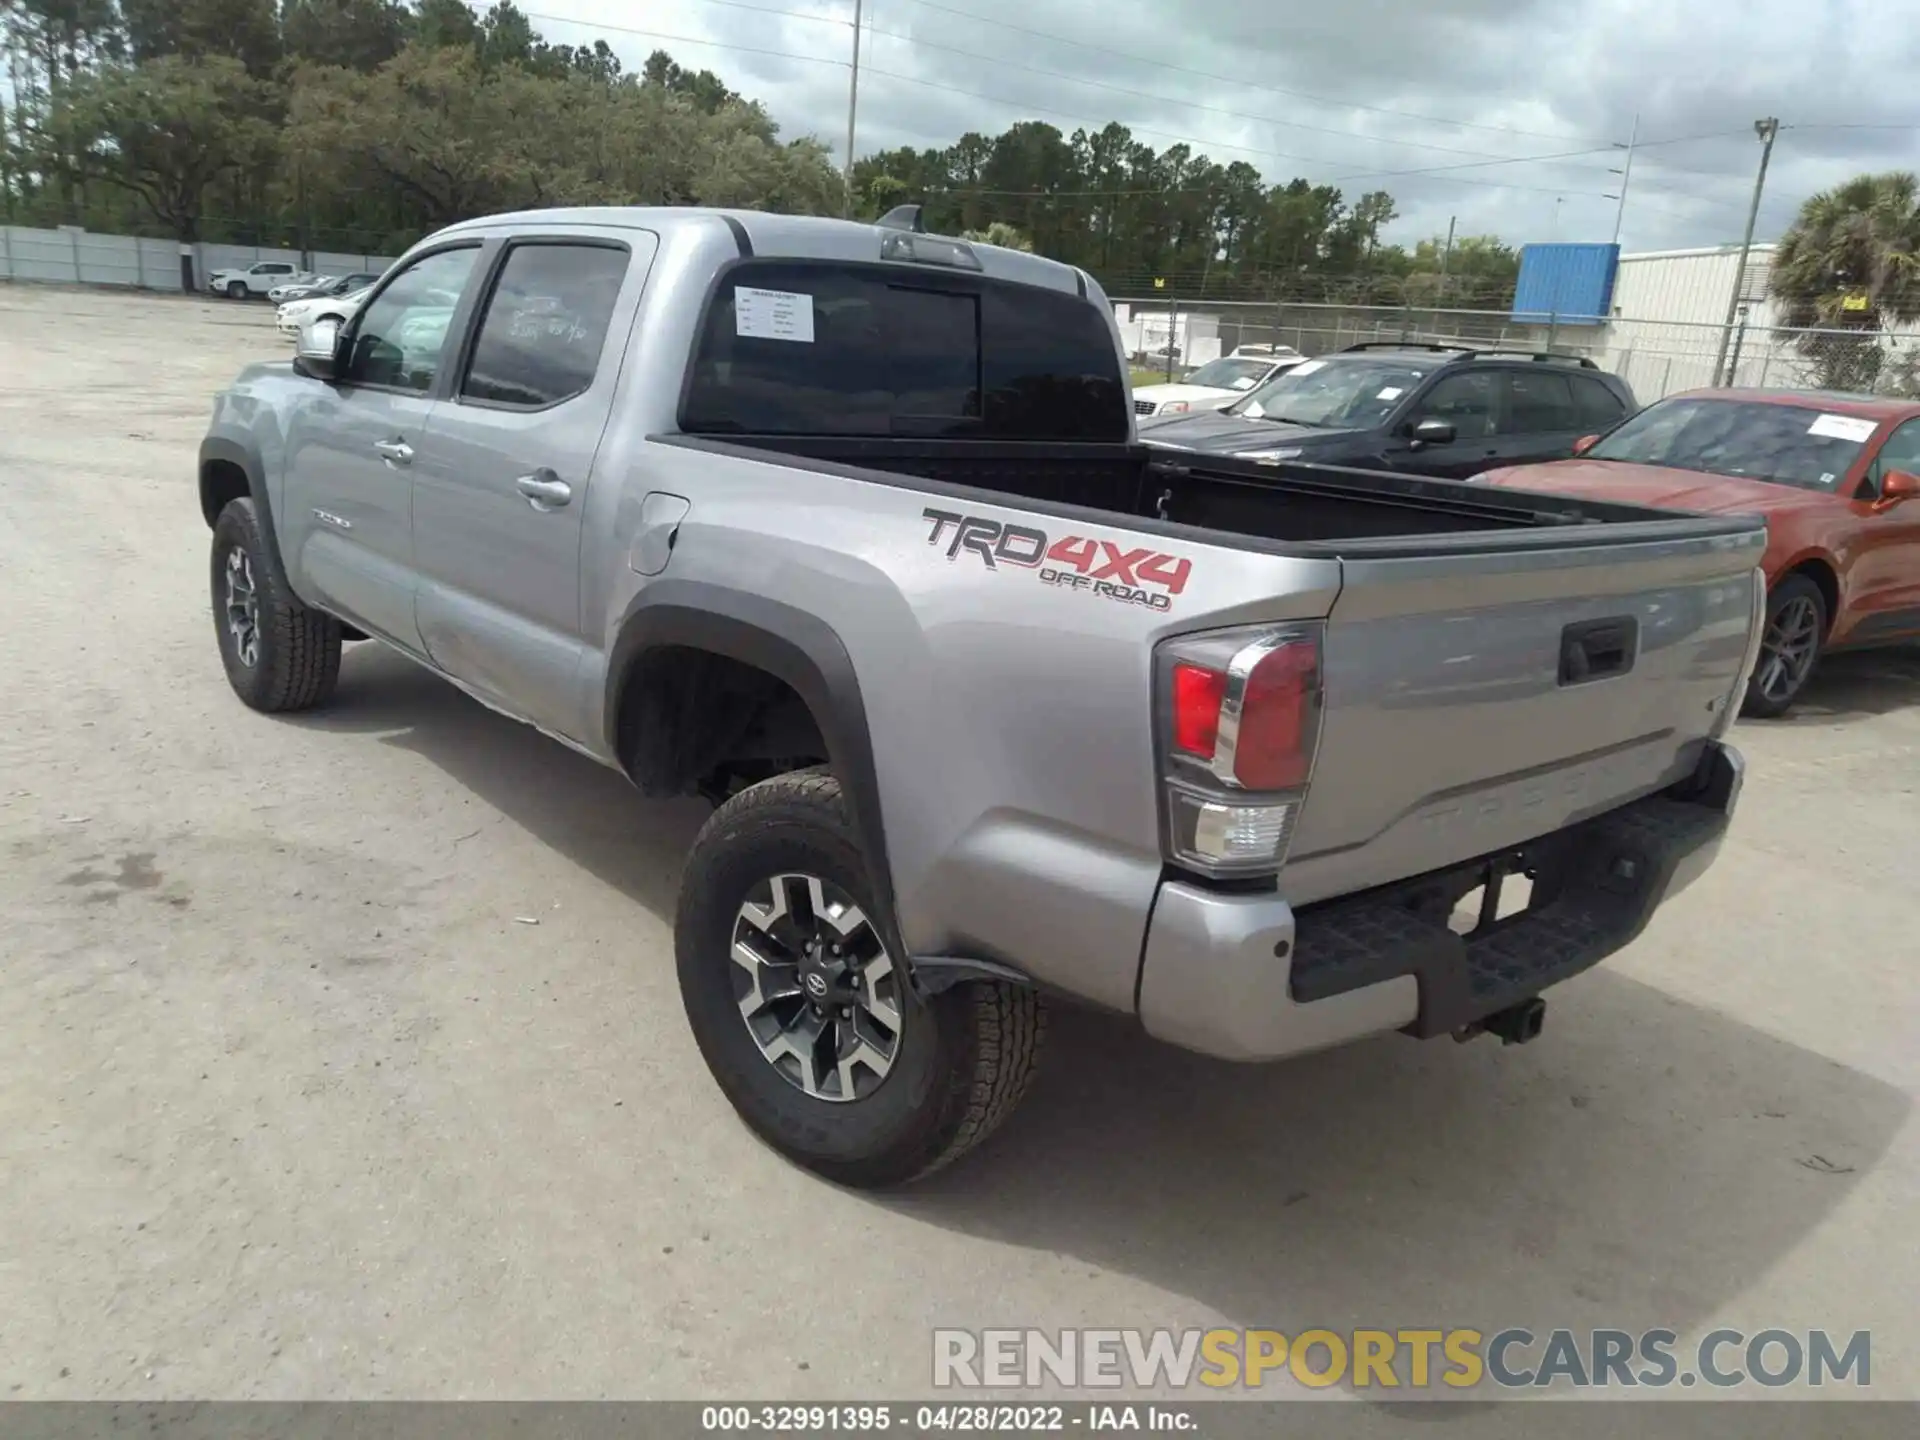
1171 337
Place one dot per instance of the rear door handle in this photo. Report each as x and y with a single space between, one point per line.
544 490
394 452
1598 648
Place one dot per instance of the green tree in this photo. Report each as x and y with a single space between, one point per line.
999 233
247 30
1850 262
167 130
445 22
356 34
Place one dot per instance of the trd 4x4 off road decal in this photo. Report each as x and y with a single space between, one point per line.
1115 570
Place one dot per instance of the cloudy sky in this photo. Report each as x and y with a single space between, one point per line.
1419 97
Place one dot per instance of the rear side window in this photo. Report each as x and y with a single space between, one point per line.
1538 403
1599 407
791 348
545 324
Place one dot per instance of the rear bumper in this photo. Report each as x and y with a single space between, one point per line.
1244 977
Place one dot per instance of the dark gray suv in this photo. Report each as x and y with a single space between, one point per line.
1427 409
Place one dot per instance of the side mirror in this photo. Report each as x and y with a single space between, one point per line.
1433 432
1585 443
317 354
1898 485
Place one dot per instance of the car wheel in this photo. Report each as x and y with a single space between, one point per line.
236 290
807 1018
1795 629
279 655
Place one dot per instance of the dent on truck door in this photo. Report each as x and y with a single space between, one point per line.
501 489
351 451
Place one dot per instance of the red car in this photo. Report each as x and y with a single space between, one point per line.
1837 478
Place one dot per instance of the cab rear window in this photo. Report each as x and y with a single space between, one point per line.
796 348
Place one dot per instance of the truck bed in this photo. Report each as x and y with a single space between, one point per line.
1305 507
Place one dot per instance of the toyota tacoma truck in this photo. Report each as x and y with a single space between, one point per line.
846 527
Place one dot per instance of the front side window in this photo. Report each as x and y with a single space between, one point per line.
401 335
849 349
1783 444
1464 401
1337 393
545 324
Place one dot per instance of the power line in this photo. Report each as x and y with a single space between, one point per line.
1247 84
686 39
1191 139
1485 156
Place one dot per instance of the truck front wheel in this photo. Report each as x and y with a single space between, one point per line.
811 1023
279 654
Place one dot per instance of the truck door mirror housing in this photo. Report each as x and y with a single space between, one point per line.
1585 443
317 354
1433 432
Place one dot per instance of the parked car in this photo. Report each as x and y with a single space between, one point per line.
252 280
322 285
1427 409
844 528
1217 383
295 315
1837 478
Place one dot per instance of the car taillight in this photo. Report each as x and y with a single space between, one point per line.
1240 719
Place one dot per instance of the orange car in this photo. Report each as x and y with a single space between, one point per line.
1837 478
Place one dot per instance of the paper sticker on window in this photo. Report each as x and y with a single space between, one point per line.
1392 392
1308 367
773 315
1843 427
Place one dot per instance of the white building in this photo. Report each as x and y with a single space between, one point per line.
1670 321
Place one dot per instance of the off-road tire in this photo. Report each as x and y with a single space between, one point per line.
1792 588
966 1055
299 648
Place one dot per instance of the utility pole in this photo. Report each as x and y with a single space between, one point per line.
1626 178
1766 130
1446 258
853 103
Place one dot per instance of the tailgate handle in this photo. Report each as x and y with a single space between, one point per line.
1595 649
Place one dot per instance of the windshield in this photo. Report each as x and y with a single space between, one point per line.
1230 374
1339 393
1784 444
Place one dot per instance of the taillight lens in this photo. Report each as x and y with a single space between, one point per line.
1241 714
1197 693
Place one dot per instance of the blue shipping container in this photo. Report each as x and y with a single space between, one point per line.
1574 282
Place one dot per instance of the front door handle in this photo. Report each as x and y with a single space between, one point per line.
394 452
544 490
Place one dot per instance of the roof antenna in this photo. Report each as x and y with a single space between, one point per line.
903 217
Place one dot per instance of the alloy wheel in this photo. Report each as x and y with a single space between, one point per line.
816 987
1788 649
243 608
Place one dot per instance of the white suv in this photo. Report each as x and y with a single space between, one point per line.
256 279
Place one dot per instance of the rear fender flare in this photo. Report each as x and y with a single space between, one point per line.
793 646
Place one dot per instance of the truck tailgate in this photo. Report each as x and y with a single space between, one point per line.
1477 697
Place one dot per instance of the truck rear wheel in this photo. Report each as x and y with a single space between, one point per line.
279 654
807 1018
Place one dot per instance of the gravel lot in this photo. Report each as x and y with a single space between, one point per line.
291 1105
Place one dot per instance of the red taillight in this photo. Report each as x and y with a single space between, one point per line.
1197 693
1273 749
1250 715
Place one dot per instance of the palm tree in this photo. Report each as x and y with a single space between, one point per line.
1850 262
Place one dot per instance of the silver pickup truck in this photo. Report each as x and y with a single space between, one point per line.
846 527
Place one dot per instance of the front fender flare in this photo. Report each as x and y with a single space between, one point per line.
228 451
